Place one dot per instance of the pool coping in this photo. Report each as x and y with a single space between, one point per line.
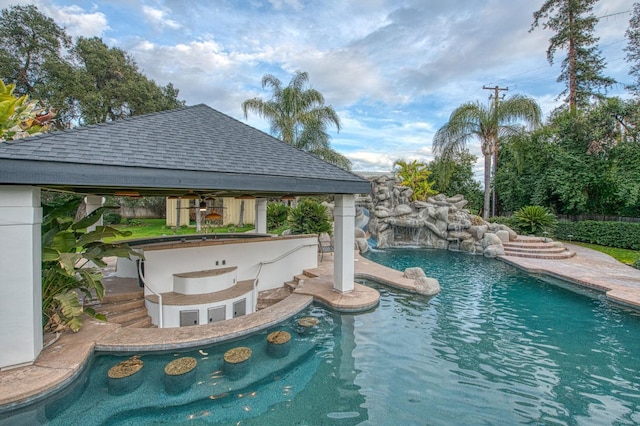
65 358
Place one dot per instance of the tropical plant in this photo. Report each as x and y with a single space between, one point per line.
490 125
20 117
71 257
535 220
574 24
415 175
298 116
309 217
277 214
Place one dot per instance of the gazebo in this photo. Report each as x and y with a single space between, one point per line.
194 149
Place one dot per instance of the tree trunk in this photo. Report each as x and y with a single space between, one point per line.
487 186
241 219
573 83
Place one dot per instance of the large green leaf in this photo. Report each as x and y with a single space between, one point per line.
70 309
50 255
92 218
64 242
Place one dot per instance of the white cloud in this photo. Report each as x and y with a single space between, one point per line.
158 18
76 21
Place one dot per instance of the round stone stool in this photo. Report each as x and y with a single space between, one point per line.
306 324
125 376
278 344
179 374
236 362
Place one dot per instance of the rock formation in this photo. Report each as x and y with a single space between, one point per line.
440 222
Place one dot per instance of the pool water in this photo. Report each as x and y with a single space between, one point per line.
496 346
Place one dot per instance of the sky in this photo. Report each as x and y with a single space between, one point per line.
394 70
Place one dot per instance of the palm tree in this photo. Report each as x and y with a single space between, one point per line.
298 116
489 124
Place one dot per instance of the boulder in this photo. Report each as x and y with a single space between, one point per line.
413 273
402 210
503 235
362 245
491 239
478 231
427 286
493 251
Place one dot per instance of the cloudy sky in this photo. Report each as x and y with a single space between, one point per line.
393 69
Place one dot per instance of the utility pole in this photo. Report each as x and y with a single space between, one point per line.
496 100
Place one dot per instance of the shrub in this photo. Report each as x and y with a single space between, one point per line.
636 264
534 220
277 214
112 218
309 217
504 220
624 235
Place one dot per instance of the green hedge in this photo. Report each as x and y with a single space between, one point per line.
611 234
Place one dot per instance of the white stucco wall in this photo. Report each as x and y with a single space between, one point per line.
160 265
20 275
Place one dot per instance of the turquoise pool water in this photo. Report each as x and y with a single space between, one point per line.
496 346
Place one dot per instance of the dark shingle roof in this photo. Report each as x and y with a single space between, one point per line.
189 148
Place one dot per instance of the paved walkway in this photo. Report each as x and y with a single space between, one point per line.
591 269
65 358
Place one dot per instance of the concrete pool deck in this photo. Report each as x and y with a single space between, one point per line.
64 359
589 269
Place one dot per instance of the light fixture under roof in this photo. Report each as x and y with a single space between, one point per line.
190 196
288 197
245 197
127 193
213 216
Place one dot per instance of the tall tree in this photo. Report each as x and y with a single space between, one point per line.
109 85
582 69
489 125
85 83
633 48
28 41
298 116
454 175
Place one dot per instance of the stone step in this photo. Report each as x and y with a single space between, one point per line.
126 316
143 322
524 244
119 297
120 306
292 284
525 239
564 255
534 249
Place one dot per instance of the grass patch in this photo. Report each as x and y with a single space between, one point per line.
625 256
148 228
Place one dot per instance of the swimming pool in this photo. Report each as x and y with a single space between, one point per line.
496 346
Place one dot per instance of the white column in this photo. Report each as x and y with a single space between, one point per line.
20 271
261 215
93 203
344 223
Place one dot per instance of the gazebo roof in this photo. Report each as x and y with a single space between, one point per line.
168 153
